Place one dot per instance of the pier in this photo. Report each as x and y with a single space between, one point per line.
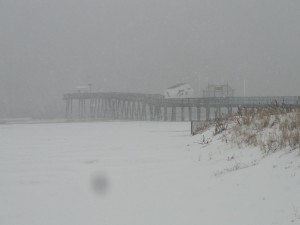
154 107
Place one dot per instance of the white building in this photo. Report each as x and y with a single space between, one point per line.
181 90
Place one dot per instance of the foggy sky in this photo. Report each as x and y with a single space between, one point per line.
48 47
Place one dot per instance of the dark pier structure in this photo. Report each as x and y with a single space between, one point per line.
154 107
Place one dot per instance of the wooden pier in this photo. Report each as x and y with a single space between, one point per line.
154 107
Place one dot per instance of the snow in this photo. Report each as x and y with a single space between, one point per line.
140 173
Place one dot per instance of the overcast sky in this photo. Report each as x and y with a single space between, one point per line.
48 47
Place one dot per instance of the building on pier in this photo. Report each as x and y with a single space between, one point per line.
223 90
181 90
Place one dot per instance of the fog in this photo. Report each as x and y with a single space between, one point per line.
48 47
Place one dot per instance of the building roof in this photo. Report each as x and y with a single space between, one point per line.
176 85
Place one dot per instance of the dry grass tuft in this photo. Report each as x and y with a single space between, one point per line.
268 129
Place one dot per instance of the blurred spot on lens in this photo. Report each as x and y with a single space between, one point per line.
99 183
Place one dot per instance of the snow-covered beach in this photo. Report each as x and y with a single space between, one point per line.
140 173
